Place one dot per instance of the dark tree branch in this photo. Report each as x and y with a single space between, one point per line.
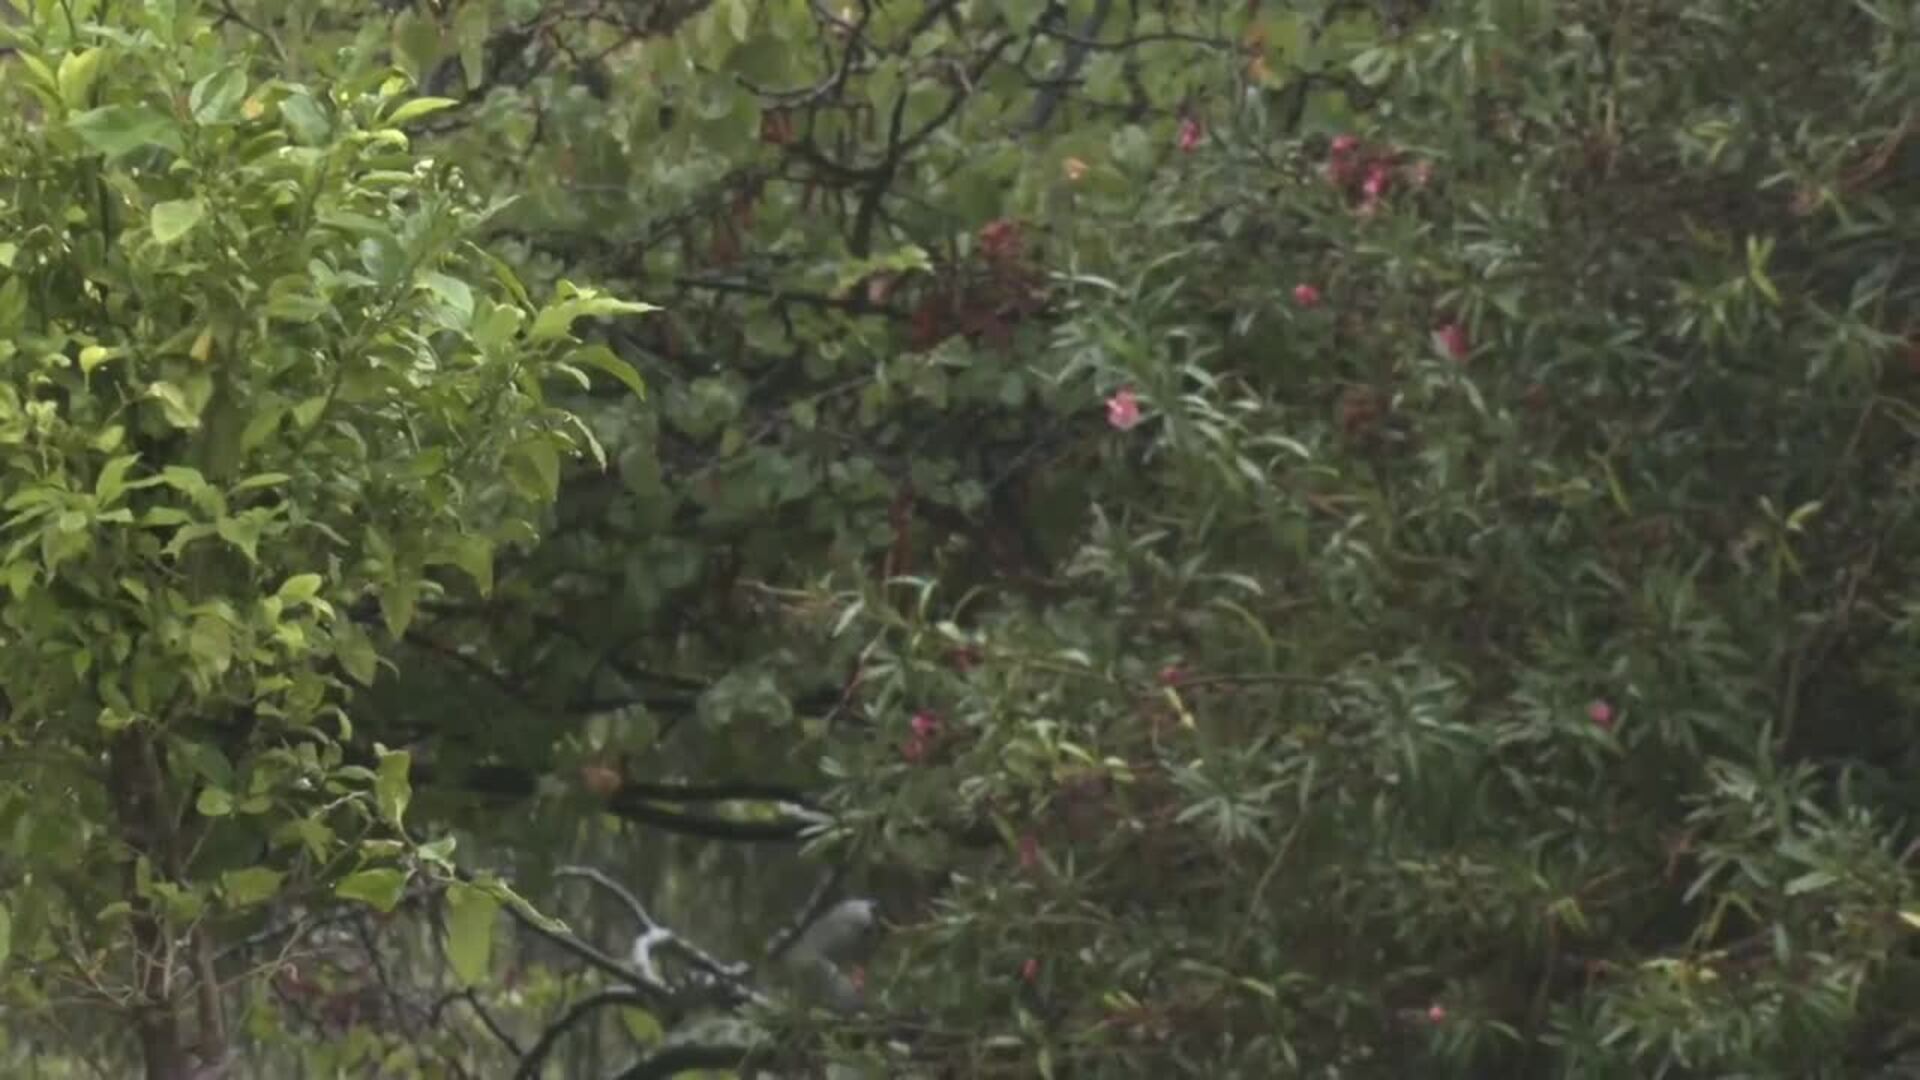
675 1060
602 879
1069 70
584 1008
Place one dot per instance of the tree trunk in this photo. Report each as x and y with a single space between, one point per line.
140 805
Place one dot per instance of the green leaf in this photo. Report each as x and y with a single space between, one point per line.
173 220
380 889
417 108
243 533
216 98
214 802
416 44
77 74
398 601
211 642
471 28
453 292
604 359
305 118
174 405
474 556
535 469
115 130
300 588
471 914
391 789
112 480
243 888
355 652
555 321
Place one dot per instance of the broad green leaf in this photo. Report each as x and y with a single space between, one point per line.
108 487
214 802
471 915
416 44
555 321
534 469
174 404
380 889
474 556
306 120
391 787
216 98
116 130
77 74
242 888
417 108
398 601
173 220
300 588
453 292
604 359
355 652
471 28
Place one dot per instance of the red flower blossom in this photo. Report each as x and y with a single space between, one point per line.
1030 970
1190 134
1436 1013
1123 410
1378 179
1345 145
1172 675
1601 713
926 724
1001 241
1453 338
1306 295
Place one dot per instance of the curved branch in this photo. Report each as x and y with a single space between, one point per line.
602 879
675 1060
530 1064
708 827
654 993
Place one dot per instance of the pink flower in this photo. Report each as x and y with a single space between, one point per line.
1344 145
1436 1013
1190 134
1378 177
926 724
1172 675
1123 410
1601 714
1453 338
1030 970
1306 295
1029 852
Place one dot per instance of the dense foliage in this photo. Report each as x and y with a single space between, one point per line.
1320 539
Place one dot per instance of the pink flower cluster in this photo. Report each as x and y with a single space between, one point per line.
926 728
1368 174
